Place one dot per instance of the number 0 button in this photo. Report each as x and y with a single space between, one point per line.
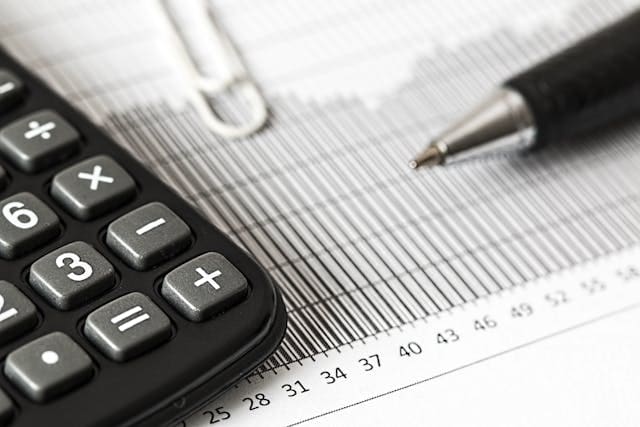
70 276
25 224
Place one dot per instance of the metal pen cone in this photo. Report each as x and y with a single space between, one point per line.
502 122
431 156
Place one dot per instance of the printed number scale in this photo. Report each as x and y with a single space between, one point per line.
119 304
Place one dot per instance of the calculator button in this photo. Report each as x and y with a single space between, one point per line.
93 187
6 408
38 140
25 224
17 313
204 286
48 367
127 327
148 236
11 89
72 275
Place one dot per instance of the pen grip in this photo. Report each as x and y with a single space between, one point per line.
593 83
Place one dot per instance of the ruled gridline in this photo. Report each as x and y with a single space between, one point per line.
358 243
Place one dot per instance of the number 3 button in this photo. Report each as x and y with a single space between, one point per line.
72 275
25 224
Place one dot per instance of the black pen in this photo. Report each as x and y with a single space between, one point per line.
592 84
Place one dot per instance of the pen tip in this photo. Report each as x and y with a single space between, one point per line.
431 156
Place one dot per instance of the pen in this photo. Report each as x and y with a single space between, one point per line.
591 84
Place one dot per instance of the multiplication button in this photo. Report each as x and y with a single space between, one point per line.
48 366
127 327
204 286
17 313
93 187
148 236
71 275
26 223
38 141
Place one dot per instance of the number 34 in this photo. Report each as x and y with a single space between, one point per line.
73 261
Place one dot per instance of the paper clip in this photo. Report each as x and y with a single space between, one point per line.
203 87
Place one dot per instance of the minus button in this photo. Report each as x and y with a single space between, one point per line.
133 239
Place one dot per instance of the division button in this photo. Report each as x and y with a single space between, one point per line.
148 236
71 275
127 327
39 140
204 287
48 367
26 223
6 408
17 314
93 187
11 89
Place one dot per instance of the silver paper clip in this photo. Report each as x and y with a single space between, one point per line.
203 87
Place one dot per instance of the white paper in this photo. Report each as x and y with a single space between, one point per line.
372 256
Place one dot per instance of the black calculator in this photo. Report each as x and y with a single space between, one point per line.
119 303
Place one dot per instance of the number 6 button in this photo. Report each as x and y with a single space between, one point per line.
25 224
72 275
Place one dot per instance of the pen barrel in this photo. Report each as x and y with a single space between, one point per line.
593 83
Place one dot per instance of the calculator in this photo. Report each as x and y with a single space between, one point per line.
119 303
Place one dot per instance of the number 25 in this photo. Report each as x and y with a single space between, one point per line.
75 263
